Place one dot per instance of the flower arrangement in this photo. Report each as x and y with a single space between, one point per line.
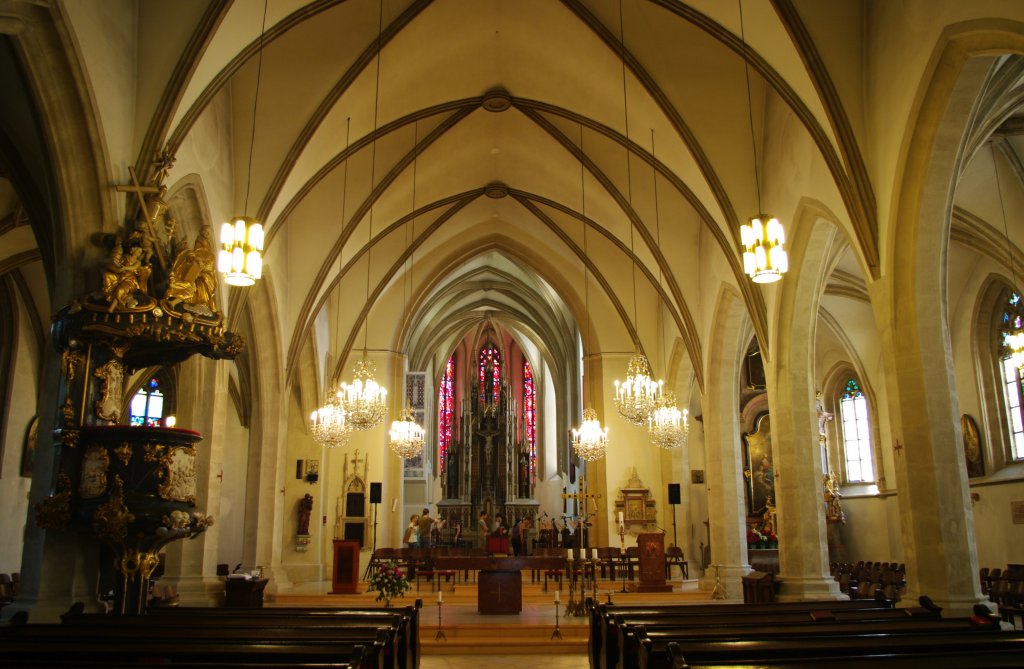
389 581
758 539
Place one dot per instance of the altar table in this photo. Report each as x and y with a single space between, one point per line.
501 581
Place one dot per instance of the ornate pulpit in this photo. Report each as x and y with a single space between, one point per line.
652 563
134 488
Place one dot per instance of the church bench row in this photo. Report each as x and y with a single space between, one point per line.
648 648
967 648
620 632
396 650
304 637
905 659
408 618
126 651
604 634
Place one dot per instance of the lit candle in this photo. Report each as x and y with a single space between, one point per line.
558 596
170 421
439 598
394 504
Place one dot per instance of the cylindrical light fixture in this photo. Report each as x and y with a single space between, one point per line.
241 251
764 255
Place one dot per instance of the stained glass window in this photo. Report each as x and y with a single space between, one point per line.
490 374
147 406
1012 321
853 408
530 414
445 411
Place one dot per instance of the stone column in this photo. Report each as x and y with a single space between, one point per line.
202 402
723 463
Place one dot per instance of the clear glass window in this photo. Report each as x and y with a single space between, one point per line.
853 409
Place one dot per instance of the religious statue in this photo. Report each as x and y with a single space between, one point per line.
108 406
192 279
833 508
124 277
305 509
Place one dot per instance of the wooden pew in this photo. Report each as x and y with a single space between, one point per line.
907 659
310 616
401 623
365 638
603 641
131 650
650 647
968 648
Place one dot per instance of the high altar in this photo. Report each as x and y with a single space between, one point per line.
488 464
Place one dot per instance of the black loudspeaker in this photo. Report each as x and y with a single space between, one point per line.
673 493
375 493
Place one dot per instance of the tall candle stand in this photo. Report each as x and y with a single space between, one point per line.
440 632
719 592
557 634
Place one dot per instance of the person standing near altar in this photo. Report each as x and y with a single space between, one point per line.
426 523
517 539
411 538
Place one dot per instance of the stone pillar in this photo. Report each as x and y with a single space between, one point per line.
800 509
723 463
202 402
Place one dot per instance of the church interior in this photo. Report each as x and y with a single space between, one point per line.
521 234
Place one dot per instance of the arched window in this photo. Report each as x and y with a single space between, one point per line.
446 411
530 414
853 409
490 374
1012 320
147 407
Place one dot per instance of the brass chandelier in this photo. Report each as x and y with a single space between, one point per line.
328 423
636 397
667 426
590 441
365 399
406 436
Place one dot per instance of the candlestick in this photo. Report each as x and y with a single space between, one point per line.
394 504
620 518
440 599
558 596
440 632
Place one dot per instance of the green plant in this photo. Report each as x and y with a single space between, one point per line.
389 581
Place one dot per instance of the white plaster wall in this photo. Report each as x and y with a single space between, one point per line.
872 529
999 541
21 408
232 504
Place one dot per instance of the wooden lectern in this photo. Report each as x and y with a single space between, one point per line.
346 568
652 563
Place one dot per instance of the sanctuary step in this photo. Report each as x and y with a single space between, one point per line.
520 639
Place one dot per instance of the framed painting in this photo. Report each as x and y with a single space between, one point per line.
28 448
760 470
972 447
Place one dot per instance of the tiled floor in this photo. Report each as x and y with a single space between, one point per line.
502 661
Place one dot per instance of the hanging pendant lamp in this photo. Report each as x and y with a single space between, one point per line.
763 238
